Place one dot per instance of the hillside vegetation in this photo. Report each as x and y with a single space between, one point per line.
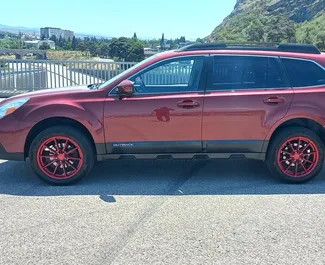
274 21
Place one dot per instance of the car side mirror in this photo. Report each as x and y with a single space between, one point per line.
126 88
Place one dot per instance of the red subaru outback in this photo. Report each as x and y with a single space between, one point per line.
211 100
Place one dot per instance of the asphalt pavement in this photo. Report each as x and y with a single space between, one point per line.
161 212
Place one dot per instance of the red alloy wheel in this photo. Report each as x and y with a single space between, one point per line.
298 157
60 157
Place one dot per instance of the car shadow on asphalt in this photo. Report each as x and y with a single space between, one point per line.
159 177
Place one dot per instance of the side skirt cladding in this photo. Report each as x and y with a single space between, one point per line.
251 149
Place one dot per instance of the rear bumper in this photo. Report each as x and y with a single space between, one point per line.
10 156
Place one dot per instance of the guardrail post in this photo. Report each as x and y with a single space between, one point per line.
30 85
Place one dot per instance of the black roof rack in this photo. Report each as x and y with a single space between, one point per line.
259 46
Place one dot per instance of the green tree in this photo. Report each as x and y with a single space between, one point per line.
82 46
307 38
44 46
61 42
280 29
74 43
182 39
53 38
103 50
255 31
67 45
172 43
135 52
320 39
10 43
119 48
311 31
92 48
125 49
162 42
199 40
135 36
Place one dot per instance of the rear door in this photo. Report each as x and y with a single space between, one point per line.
245 96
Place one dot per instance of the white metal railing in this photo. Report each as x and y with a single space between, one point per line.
168 75
19 76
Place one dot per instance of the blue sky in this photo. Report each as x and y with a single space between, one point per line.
148 18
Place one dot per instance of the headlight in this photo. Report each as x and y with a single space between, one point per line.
11 106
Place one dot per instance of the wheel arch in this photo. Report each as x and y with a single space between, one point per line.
305 122
49 122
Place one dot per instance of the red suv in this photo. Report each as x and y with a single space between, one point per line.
204 100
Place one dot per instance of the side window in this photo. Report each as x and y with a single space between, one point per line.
304 73
174 76
245 72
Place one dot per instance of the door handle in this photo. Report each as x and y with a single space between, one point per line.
274 100
188 104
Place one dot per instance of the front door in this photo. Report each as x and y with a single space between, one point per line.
164 115
245 97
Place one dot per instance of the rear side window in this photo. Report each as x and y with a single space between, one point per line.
304 73
245 72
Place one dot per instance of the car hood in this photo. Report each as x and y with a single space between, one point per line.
51 92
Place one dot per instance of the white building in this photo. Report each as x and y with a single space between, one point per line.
38 43
48 32
149 51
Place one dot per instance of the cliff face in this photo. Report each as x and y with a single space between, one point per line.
297 10
259 13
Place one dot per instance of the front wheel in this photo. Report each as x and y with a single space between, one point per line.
296 155
61 155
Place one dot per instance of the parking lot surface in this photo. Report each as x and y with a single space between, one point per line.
161 212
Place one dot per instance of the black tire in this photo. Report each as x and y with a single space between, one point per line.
84 148
281 138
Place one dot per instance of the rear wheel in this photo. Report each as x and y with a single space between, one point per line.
61 155
296 155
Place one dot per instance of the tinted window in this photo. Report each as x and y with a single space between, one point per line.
178 75
244 72
304 73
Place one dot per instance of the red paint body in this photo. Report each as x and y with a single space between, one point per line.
243 115
137 119
240 115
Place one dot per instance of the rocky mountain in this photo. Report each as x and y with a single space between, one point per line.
297 10
275 21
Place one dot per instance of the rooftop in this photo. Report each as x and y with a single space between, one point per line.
50 28
32 41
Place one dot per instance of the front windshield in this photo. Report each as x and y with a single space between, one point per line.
126 71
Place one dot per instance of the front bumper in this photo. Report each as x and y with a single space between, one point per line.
13 134
10 156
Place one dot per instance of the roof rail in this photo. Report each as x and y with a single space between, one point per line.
260 46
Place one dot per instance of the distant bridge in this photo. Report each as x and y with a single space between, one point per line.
20 53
